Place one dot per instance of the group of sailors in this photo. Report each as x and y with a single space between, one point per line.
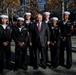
37 36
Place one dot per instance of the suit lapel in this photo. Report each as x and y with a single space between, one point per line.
41 27
36 28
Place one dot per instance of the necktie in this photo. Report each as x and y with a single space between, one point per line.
38 26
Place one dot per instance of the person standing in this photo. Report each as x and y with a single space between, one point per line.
54 42
41 31
5 40
28 24
27 21
20 36
46 19
66 44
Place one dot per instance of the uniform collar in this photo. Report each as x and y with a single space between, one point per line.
4 26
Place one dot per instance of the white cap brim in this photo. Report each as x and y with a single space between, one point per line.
46 13
20 18
27 13
3 16
66 12
54 18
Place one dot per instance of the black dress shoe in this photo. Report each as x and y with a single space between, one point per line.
24 67
53 67
43 66
67 67
50 66
35 67
62 65
16 68
1 73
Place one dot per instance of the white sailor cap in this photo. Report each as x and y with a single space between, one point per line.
3 16
46 13
66 12
54 18
27 13
20 18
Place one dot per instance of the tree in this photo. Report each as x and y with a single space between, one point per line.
72 5
9 4
54 6
33 7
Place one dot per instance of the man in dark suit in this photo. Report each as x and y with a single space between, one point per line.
5 39
40 32
66 32
20 35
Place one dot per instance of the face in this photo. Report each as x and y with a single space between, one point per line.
4 20
27 17
54 22
20 23
39 18
46 16
66 16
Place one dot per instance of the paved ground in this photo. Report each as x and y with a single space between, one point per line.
59 71
73 41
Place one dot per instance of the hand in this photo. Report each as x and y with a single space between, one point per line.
52 43
5 43
68 34
48 42
63 39
20 44
30 43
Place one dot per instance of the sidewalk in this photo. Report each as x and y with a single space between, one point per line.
73 41
74 44
59 71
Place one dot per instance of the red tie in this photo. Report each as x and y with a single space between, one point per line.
38 26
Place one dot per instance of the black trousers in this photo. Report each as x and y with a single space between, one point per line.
54 51
47 60
66 45
43 56
5 51
32 55
20 57
35 55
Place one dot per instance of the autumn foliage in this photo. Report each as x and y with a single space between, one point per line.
53 6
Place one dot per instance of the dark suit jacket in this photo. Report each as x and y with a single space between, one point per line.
42 36
48 23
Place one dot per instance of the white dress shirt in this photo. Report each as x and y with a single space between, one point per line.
40 24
